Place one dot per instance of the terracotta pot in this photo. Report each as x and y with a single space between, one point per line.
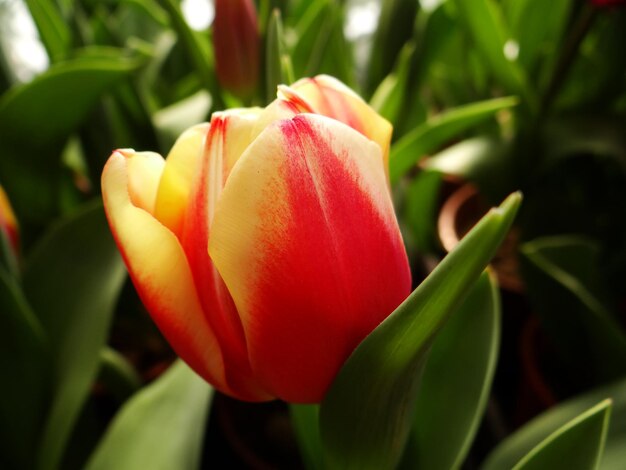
459 213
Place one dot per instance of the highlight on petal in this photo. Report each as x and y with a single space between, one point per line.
159 270
305 237
329 97
177 176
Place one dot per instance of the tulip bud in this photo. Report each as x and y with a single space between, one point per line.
608 3
236 44
8 222
265 246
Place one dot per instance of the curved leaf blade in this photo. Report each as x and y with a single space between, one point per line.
72 280
426 138
463 357
516 446
559 273
53 30
160 427
24 365
577 445
366 415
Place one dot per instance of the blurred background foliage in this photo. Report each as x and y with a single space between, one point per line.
498 95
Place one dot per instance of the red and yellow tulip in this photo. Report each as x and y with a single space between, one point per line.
265 246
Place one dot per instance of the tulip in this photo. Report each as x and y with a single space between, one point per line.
608 3
8 222
236 44
265 246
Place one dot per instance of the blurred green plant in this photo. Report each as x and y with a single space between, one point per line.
502 94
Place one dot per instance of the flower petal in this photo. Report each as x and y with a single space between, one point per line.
159 270
229 135
305 238
144 173
177 176
329 97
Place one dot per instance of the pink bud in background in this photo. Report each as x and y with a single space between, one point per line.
608 3
236 44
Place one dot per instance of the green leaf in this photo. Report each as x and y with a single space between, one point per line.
305 420
578 445
53 30
321 46
483 160
463 357
390 96
407 151
37 119
24 366
519 444
537 31
366 415
278 68
561 274
197 47
161 427
78 82
395 27
72 280
486 26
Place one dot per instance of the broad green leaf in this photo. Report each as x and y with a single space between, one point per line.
305 420
37 119
160 427
457 380
519 444
25 372
198 49
486 26
278 68
366 415
578 445
563 284
53 30
395 28
78 82
485 161
407 151
72 280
